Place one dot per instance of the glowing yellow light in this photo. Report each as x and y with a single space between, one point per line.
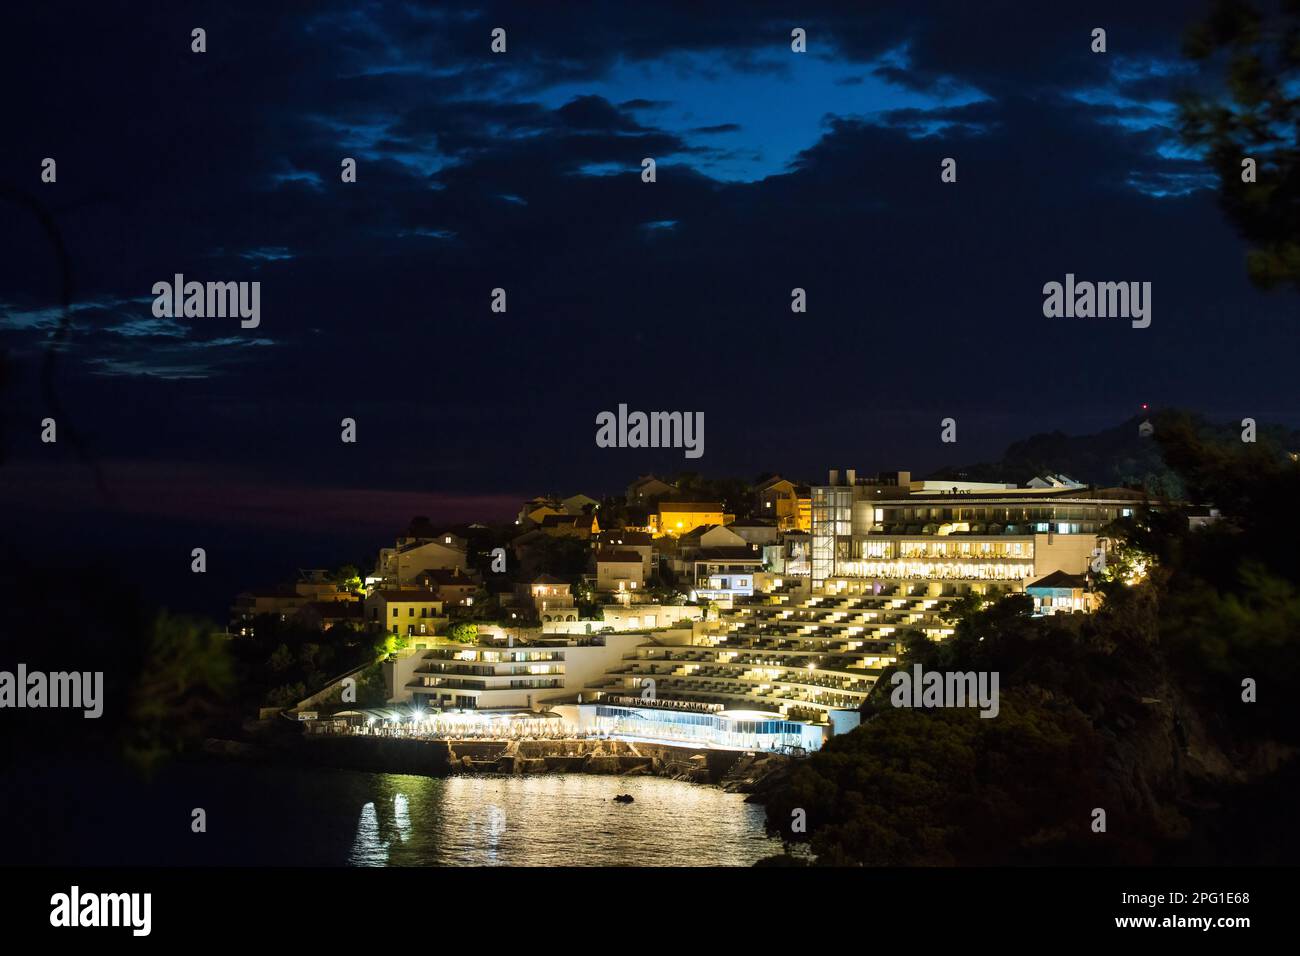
1137 572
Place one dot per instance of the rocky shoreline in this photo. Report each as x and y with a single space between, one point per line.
736 772
757 775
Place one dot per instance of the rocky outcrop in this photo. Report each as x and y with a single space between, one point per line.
756 774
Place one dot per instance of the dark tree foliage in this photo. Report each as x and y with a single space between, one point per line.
284 661
1256 116
949 788
1230 593
167 680
561 556
735 494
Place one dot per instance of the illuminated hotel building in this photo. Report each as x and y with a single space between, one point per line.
888 556
793 663
958 536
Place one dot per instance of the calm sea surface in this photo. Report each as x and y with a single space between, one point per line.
292 816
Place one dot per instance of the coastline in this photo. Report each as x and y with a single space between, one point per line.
732 770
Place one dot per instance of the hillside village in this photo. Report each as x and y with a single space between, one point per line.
777 600
564 561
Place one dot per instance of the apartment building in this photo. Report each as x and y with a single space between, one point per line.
787 504
411 557
406 612
620 572
549 597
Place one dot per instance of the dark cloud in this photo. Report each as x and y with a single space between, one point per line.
924 297
596 113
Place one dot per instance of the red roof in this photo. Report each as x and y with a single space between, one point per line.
548 579
408 594
614 556
729 554
453 576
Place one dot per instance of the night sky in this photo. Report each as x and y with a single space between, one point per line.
522 171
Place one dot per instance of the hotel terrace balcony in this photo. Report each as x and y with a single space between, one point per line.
476 668
800 660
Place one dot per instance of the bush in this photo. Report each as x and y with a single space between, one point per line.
464 632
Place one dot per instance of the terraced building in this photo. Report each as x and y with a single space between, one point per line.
811 659
889 555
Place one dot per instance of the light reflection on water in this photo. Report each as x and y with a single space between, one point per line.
368 849
554 820
269 815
